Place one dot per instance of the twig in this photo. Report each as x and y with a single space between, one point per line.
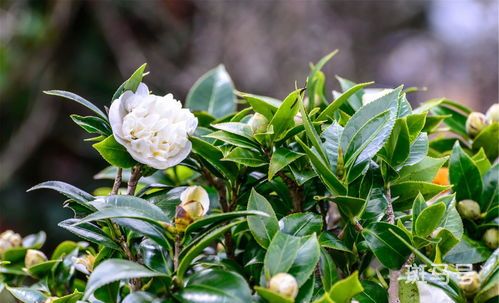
134 180
178 247
117 182
393 289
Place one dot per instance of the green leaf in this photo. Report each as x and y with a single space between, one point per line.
467 251
140 297
424 170
328 272
114 153
407 191
93 125
78 99
419 150
429 219
350 207
236 128
67 190
140 206
301 224
89 232
154 256
232 139
132 83
41 269
488 140
331 241
214 219
481 162
213 93
272 296
266 106
464 175
281 158
193 251
338 102
456 121
331 137
417 207
415 124
315 77
307 257
397 148
354 102
490 193
283 118
372 293
27 295
343 291
281 254
262 228
389 250
246 157
323 171
213 156
120 269
215 285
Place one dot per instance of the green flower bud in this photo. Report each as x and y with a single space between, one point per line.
284 284
470 283
475 123
34 257
492 114
469 209
258 123
491 238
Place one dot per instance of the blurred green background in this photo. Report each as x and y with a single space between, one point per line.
90 47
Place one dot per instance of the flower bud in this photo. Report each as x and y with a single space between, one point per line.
491 238
84 264
492 114
34 257
194 204
258 123
442 177
475 123
298 119
284 284
8 240
469 283
469 209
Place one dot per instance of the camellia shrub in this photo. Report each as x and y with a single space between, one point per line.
235 197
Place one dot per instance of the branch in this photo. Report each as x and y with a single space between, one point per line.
134 180
117 182
393 290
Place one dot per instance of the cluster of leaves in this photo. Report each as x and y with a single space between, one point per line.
340 195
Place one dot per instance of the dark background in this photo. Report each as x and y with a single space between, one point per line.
90 47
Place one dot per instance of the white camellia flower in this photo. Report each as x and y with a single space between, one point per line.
153 129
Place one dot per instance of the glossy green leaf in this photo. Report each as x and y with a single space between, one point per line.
218 218
397 148
140 206
350 207
327 269
283 118
307 257
415 124
372 293
389 250
272 296
331 241
343 290
281 254
89 232
424 170
417 207
331 137
120 269
236 128
419 150
114 153
429 219
464 175
266 106
482 162
27 295
213 155
67 190
232 139
488 139
78 99
93 125
262 228
214 286
281 158
301 224
490 193
213 93
407 191
246 157
131 83
467 251
456 121
354 102
140 297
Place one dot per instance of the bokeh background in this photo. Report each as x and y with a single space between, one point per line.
89 47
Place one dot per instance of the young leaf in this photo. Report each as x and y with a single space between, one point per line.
407 191
301 224
488 140
490 194
283 118
114 153
464 175
262 228
281 158
132 83
343 291
213 93
246 157
121 269
281 254
429 219
329 111
424 170
263 105
331 137
307 257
